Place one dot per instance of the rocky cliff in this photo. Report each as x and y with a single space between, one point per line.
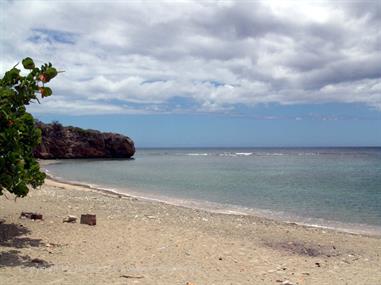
72 142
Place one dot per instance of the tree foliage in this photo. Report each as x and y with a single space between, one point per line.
18 134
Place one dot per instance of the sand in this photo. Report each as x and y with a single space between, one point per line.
143 242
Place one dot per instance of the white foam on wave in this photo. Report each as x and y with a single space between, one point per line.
227 154
234 154
197 154
244 153
268 154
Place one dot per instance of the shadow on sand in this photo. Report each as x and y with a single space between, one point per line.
12 238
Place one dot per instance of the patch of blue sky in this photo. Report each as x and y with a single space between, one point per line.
212 130
259 126
52 36
174 104
323 111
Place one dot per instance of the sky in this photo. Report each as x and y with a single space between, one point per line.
206 73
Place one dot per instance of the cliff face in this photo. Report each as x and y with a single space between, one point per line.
72 142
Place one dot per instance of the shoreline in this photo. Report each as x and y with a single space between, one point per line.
356 229
229 209
158 243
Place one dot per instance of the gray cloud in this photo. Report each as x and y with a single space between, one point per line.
155 54
368 10
242 21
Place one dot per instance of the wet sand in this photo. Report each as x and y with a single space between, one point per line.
144 242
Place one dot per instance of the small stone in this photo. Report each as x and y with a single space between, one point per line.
287 282
70 219
151 217
30 215
37 260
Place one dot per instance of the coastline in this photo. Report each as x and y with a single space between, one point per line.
158 243
361 229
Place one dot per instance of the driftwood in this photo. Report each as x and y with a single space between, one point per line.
131 276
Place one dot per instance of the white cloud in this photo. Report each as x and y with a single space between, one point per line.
68 106
147 54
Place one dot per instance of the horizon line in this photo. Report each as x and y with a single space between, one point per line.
225 147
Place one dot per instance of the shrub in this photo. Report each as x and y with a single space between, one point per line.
18 134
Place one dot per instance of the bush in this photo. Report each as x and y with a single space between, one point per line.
18 134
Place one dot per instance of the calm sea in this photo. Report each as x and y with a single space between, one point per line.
334 187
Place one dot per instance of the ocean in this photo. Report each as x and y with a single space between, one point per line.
328 187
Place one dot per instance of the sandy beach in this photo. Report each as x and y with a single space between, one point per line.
142 242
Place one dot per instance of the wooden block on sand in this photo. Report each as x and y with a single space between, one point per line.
89 219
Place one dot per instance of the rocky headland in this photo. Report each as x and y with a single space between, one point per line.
71 142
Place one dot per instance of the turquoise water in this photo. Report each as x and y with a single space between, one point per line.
316 185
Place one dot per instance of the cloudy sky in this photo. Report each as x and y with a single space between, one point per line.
207 73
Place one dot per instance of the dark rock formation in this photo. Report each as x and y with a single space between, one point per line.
72 142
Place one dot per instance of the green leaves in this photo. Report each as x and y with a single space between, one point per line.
50 72
11 76
18 134
45 91
28 63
